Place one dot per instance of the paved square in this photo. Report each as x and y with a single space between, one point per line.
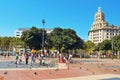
81 69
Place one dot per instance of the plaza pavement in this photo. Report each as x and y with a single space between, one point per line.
93 77
109 70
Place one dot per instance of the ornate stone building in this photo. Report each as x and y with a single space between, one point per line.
101 30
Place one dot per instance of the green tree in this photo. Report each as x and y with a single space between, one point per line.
56 38
65 39
33 38
89 47
48 42
105 45
116 43
7 43
71 40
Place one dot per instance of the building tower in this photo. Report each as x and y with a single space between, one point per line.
100 29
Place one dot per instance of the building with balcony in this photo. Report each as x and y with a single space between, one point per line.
101 30
18 33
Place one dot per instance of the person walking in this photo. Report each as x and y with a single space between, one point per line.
26 58
16 58
33 58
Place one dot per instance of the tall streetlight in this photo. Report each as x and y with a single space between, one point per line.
43 23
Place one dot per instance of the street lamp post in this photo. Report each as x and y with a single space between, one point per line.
43 23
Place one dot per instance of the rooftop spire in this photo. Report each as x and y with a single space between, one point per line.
99 9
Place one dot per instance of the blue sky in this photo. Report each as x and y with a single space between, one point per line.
75 14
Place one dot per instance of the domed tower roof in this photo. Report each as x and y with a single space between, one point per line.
99 16
99 20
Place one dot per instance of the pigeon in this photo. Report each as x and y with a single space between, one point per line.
114 70
80 68
5 72
56 69
35 73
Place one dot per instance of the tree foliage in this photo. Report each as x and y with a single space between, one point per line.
65 39
60 39
33 38
105 45
89 47
7 43
116 43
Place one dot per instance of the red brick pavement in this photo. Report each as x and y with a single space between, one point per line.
43 74
1 78
75 70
